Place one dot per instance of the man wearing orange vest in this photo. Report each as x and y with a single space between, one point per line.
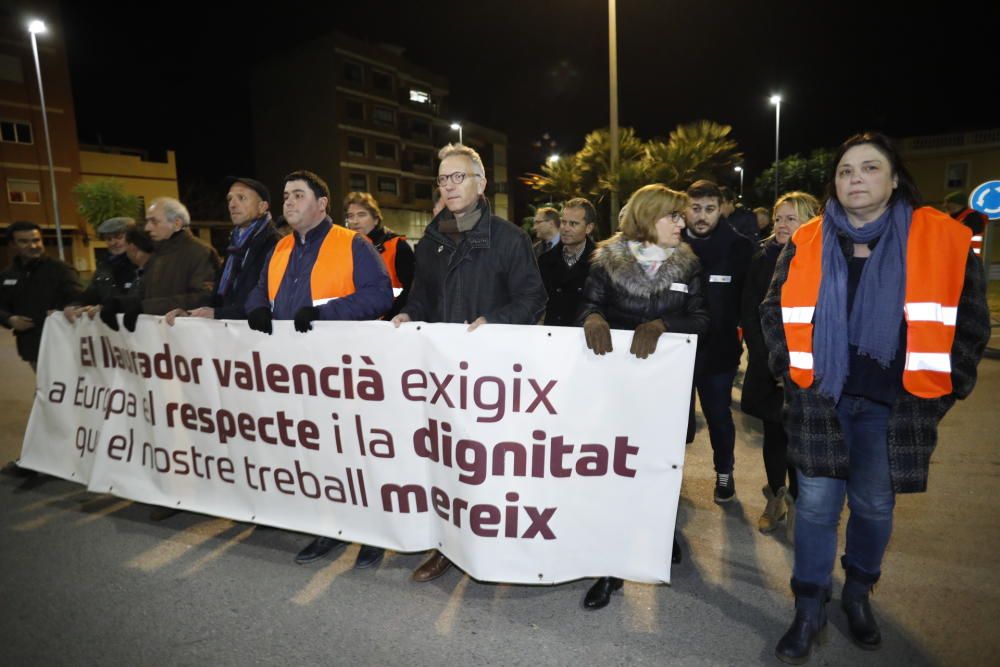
876 319
363 215
956 204
320 271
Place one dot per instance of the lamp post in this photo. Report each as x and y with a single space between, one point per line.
458 126
613 81
740 171
38 27
776 101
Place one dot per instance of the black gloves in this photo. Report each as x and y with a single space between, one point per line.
598 333
305 317
130 309
260 320
645 338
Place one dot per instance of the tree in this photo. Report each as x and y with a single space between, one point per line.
808 174
99 200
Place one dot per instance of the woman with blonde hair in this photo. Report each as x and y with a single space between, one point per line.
762 393
644 279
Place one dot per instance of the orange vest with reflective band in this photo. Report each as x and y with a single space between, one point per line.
389 257
977 239
332 274
936 254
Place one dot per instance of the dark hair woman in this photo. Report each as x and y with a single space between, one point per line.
643 278
876 319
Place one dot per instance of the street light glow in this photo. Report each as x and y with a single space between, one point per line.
775 99
37 27
738 169
553 158
456 126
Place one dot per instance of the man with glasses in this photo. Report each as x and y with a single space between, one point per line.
564 270
725 256
472 268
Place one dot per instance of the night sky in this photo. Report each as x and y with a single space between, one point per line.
160 75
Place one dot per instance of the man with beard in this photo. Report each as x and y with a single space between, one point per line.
725 258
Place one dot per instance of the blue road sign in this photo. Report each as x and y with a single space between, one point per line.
986 199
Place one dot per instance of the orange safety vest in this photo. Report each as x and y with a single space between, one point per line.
977 239
936 254
389 257
332 274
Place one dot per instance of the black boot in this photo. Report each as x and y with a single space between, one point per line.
854 601
599 594
809 626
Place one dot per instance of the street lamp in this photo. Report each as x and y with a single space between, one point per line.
776 101
34 28
458 126
552 159
740 171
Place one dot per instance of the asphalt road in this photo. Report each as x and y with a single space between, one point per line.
89 579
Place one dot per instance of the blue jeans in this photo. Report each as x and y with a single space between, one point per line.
870 499
715 391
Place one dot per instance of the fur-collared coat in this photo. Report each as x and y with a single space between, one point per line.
619 289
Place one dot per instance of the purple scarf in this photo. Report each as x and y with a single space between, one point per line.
877 311
238 240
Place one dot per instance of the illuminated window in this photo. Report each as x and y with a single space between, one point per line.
419 96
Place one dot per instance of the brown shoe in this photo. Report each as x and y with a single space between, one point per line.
775 511
433 568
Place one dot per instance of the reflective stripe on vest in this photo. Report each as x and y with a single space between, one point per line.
938 249
332 275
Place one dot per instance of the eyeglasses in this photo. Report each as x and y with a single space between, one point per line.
457 177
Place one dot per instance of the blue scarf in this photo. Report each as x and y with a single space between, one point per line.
877 311
238 240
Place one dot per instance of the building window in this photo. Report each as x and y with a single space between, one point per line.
419 96
956 175
422 160
355 109
21 191
384 116
15 132
382 81
420 128
388 185
356 146
358 182
354 72
385 150
423 191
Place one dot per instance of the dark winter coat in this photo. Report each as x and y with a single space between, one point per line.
564 284
31 289
815 439
180 274
762 396
114 277
491 272
725 258
246 273
619 290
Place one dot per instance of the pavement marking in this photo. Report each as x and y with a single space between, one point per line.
445 623
322 580
52 501
642 607
177 546
94 515
199 564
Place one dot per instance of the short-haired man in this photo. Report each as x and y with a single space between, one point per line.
472 267
251 241
725 258
180 274
546 228
565 269
115 274
739 218
363 214
32 285
321 271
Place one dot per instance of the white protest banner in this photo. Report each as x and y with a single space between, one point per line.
514 450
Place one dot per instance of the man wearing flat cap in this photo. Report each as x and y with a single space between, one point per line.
115 274
251 241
